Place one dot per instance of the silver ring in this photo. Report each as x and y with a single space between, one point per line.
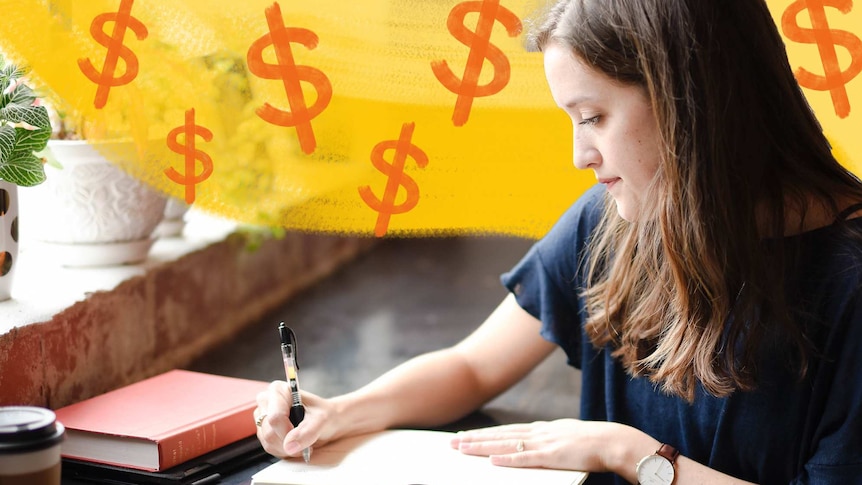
259 421
520 447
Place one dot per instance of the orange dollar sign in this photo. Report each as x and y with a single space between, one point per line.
385 207
834 80
280 38
480 46
189 130
122 20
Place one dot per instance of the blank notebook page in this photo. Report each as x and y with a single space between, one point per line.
403 457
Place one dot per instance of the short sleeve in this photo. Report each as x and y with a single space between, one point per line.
548 280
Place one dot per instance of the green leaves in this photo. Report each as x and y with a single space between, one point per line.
24 129
7 142
23 168
9 73
33 140
23 96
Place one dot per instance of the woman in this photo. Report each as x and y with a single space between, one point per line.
708 287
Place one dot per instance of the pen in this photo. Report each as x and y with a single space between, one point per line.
288 355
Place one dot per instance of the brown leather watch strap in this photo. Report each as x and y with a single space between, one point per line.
668 452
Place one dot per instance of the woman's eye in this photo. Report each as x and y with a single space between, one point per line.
589 121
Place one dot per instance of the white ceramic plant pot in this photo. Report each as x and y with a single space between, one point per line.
8 237
92 213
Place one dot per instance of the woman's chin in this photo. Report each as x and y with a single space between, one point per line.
626 211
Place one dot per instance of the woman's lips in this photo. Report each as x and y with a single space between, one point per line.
609 182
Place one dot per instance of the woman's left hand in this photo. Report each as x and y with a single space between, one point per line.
569 444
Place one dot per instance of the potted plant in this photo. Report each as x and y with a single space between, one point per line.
90 211
24 129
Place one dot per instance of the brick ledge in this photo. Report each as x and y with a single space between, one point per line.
153 317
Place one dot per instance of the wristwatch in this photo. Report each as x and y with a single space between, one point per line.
658 468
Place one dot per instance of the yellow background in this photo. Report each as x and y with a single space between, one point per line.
507 170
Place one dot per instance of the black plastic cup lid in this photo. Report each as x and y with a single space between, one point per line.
28 428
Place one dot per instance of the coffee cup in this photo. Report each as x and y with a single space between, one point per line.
30 439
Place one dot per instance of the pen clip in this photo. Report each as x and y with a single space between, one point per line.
288 339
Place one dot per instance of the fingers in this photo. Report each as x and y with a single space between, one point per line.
493 447
513 445
272 410
276 433
497 440
524 459
510 452
563 443
300 437
495 434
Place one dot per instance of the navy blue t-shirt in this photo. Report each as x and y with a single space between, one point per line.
787 430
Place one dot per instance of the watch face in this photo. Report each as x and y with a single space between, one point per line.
655 470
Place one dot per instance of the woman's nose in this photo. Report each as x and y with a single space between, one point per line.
586 157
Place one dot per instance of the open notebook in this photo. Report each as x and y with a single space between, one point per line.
403 457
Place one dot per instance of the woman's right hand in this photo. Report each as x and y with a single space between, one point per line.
275 432
498 354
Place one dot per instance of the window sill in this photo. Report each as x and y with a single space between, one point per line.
70 333
42 288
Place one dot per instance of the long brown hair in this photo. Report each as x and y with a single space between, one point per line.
689 292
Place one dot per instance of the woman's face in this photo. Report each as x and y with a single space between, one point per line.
615 132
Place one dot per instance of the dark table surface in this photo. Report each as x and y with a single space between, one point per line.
404 298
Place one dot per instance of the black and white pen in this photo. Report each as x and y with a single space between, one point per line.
288 355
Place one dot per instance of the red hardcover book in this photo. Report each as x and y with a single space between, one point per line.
162 421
